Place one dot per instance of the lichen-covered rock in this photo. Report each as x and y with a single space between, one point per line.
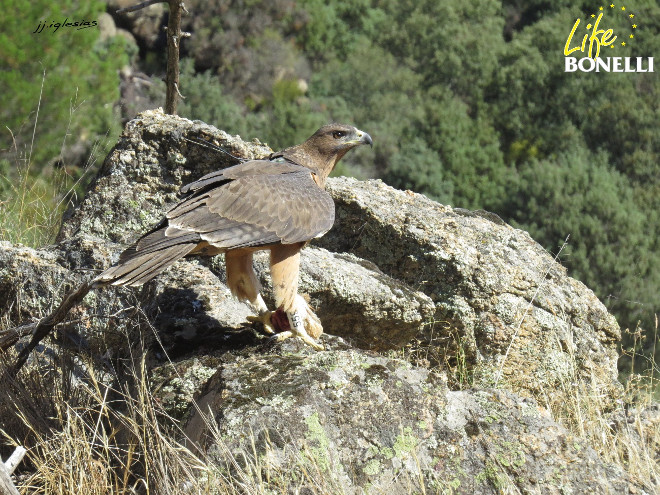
364 423
34 281
31 282
499 296
396 268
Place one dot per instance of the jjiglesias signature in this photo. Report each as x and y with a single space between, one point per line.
56 25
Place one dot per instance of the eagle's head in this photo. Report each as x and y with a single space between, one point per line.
337 139
325 148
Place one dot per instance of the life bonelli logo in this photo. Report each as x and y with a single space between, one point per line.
592 46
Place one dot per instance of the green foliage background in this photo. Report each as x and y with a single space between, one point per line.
467 102
57 110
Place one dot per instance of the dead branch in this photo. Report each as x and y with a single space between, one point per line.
173 43
47 324
139 6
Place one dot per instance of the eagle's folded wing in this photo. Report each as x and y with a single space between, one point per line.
253 204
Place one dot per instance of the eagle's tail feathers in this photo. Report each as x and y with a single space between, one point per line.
149 256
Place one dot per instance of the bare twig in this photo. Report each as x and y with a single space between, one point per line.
46 325
176 86
139 6
15 459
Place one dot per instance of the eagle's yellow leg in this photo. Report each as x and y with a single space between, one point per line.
243 283
284 270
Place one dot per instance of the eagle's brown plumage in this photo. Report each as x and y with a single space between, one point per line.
277 204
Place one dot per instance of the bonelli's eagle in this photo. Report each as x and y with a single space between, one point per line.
277 204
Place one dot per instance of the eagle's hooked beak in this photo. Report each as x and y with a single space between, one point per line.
364 138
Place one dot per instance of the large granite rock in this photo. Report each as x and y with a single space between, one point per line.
347 421
401 279
502 302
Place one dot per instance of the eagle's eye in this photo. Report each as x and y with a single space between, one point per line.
338 134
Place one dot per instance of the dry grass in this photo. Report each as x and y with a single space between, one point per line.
88 432
624 435
93 436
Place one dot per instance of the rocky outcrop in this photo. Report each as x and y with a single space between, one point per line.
501 300
364 423
399 281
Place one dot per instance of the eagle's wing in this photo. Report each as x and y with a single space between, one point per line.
241 208
252 204
246 169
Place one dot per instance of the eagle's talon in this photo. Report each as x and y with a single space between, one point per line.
307 320
300 320
282 336
265 320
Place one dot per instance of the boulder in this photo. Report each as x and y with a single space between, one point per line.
399 281
141 176
502 303
348 421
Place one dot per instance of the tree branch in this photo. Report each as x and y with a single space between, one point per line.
139 6
46 325
173 43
